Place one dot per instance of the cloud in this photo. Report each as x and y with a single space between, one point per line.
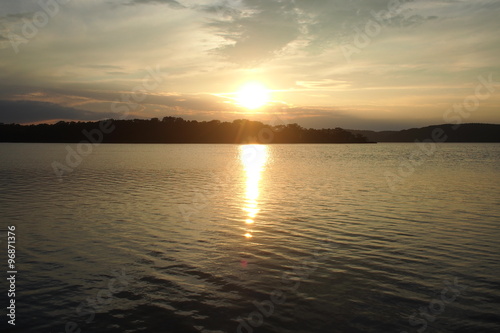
258 30
324 84
171 3
255 33
224 9
21 112
102 66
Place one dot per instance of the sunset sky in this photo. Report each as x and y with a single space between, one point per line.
359 64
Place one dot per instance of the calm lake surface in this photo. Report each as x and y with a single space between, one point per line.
230 238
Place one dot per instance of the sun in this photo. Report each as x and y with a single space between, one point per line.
252 95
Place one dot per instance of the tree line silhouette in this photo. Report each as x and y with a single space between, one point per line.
176 130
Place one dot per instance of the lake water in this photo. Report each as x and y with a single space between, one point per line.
230 238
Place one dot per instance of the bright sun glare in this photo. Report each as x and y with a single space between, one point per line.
252 95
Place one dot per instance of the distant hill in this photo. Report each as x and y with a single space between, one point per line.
454 133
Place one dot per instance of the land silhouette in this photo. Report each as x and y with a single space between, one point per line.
174 130
472 132
178 130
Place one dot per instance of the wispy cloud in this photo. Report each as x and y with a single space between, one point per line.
171 3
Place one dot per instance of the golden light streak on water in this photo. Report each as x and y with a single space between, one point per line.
254 159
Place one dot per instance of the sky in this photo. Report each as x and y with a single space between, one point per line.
356 64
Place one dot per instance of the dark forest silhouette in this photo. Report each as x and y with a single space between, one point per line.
174 130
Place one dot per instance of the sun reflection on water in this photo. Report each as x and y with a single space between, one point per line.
254 159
